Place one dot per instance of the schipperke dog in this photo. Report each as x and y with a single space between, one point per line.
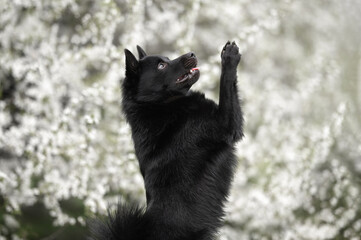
184 143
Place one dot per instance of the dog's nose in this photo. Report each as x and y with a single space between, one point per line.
192 55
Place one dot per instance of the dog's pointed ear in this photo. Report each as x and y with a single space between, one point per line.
131 63
141 52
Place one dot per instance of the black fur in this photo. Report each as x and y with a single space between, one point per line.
184 144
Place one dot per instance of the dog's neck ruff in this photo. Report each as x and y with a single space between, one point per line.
173 98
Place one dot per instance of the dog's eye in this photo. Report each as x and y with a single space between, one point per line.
162 65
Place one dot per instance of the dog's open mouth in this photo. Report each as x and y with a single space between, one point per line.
188 75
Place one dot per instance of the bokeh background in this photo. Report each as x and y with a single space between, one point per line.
66 152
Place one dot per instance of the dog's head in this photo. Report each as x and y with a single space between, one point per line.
156 78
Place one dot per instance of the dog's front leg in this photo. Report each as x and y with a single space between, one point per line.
229 109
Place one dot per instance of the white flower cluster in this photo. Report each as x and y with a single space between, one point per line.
66 151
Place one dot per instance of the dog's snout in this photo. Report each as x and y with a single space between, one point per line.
189 60
192 55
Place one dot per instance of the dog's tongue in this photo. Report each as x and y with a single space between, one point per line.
196 68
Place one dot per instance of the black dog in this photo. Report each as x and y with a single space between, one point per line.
184 144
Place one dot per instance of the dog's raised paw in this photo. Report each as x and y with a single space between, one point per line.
224 48
230 54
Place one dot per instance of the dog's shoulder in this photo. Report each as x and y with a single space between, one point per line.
198 101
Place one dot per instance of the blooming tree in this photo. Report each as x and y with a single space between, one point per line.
66 152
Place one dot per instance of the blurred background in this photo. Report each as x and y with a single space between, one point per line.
66 152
